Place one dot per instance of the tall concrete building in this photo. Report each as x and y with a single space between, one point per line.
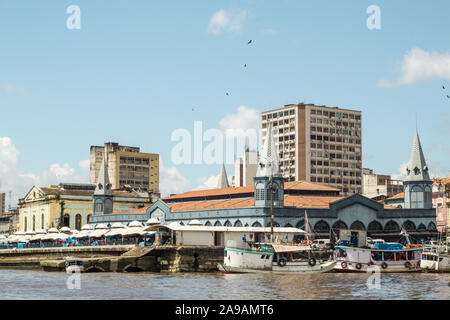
318 144
126 166
245 169
380 186
2 202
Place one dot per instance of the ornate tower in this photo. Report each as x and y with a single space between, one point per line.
268 175
417 185
103 197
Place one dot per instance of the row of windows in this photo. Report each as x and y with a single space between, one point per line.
43 226
336 164
135 160
339 115
279 114
134 168
333 180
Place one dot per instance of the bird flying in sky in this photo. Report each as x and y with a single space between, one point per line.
250 42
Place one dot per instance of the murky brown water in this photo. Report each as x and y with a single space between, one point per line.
20 284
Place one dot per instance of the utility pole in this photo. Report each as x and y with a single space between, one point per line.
271 207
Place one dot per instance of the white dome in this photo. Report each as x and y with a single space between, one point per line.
87 227
135 224
195 223
152 221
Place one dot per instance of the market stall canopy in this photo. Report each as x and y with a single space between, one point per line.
101 226
135 224
117 225
152 221
65 230
87 227
195 223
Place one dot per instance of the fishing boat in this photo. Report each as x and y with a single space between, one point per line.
435 260
271 257
74 265
389 257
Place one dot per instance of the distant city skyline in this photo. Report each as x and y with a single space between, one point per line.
133 74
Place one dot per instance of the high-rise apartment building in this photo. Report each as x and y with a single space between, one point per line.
2 202
245 169
318 144
126 166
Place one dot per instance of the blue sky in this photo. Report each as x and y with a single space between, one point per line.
135 70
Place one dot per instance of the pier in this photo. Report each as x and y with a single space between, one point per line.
128 258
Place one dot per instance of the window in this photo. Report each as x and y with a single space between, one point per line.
78 222
416 197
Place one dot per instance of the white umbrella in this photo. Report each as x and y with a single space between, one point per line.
136 231
65 230
135 224
87 227
152 221
101 226
52 230
74 232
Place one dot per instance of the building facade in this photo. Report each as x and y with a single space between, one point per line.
252 206
245 169
380 186
126 166
68 205
2 203
441 201
318 144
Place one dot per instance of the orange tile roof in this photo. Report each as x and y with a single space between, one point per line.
289 201
310 201
397 196
293 185
442 180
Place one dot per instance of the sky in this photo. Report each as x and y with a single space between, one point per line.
136 71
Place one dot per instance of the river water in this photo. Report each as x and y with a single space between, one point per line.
20 284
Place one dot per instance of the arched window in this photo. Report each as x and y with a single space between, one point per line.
391 226
25 224
42 222
88 218
421 227
217 224
431 227
322 227
275 225
416 198
256 225
228 224
66 220
98 205
339 225
208 224
181 223
238 223
78 222
409 226
259 191
374 226
357 225
246 225
301 225
34 223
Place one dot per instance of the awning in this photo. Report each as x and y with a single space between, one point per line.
288 248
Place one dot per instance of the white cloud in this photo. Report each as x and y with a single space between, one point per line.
171 180
211 182
13 89
419 65
436 170
223 21
19 182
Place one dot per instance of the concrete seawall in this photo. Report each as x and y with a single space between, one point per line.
118 258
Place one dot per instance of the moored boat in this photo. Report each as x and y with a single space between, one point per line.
277 258
435 259
74 265
389 257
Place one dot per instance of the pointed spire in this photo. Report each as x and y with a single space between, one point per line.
223 180
417 169
268 163
103 186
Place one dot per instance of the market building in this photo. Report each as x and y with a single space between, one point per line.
251 206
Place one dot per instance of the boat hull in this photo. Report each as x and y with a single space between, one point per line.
287 269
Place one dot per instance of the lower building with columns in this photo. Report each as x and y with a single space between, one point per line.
325 207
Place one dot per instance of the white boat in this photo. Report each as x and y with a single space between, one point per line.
435 259
74 265
277 258
390 258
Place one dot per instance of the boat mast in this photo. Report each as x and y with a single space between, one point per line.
271 207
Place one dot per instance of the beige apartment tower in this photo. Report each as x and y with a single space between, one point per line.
318 144
2 202
126 166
